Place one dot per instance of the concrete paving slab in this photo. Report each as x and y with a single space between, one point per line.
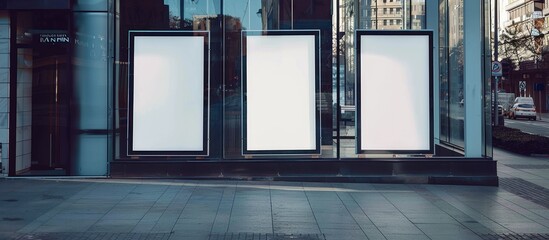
183 209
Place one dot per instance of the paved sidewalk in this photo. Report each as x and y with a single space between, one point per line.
177 209
544 117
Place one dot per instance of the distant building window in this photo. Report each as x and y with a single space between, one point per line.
384 22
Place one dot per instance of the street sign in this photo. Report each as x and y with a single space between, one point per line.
496 69
522 85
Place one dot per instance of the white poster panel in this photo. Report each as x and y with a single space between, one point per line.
168 97
395 93
280 91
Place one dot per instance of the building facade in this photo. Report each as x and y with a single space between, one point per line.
524 50
92 88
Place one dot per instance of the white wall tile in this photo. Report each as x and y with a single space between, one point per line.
5 60
5 30
4 120
18 133
27 147
27 132
4 90
4 104
21 104
5 152
5 45
4 136
27 160
4 74
19 149
27 118
19 163
27 101
19 121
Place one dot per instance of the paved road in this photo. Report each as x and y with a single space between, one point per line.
540 127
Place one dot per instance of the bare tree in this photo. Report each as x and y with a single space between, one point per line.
516 43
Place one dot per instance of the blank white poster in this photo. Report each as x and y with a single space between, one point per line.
280 91
394 85
168 100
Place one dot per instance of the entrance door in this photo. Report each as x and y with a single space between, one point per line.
42 93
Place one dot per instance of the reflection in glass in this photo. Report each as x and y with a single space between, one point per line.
451 63
366 14
167 15
273 15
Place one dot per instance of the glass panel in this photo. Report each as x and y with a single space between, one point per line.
274 15
443 71
169 15
366 14
455 72
452 101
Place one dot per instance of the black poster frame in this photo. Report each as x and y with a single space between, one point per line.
307 32
206 104
358 35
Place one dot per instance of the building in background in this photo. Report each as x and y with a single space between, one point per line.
524 50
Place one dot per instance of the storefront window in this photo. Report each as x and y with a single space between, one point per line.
368 15
226 23
75 82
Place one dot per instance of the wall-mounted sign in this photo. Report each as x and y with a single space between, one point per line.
53 38
280 88
522 85
394 92
168 93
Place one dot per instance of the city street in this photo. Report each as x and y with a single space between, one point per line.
539 127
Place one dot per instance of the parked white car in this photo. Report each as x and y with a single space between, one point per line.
528 100
523 110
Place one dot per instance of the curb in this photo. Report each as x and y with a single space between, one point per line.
539 155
